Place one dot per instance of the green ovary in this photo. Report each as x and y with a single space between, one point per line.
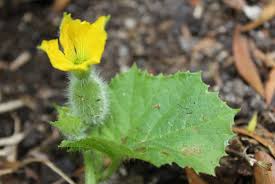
88 99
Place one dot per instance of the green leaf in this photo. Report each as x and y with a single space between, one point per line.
163 120
71 126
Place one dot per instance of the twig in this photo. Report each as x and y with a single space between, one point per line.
22 59
43 158
5 171
5 151
243 155
12 140
58 171
9 150
11 105
13 148
47 162
18 103
76 173
249 159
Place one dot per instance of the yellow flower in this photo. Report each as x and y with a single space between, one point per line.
80 44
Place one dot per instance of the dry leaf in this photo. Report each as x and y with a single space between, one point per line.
270 87
267 59
265 142
193 177
195 3
60 5
267 13
235 4
244 64
261 174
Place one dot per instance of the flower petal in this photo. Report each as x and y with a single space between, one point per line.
66 40
82 41
82 44
96 39
57 58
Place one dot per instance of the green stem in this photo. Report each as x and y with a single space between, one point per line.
90 176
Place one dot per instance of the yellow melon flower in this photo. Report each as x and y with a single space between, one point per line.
80 44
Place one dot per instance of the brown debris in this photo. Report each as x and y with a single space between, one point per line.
265 142
261 174
3 65
270 87
263 131
205 44
267 59
235 4
193 177
243 62
60 5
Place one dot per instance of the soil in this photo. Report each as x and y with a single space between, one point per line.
157 35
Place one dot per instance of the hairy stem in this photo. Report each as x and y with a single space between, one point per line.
90 176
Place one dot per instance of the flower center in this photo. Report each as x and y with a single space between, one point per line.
79 59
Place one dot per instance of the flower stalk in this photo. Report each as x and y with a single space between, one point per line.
90 174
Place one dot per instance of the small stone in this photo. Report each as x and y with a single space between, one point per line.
252 12
130 23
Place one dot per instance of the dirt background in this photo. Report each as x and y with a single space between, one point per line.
161 36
